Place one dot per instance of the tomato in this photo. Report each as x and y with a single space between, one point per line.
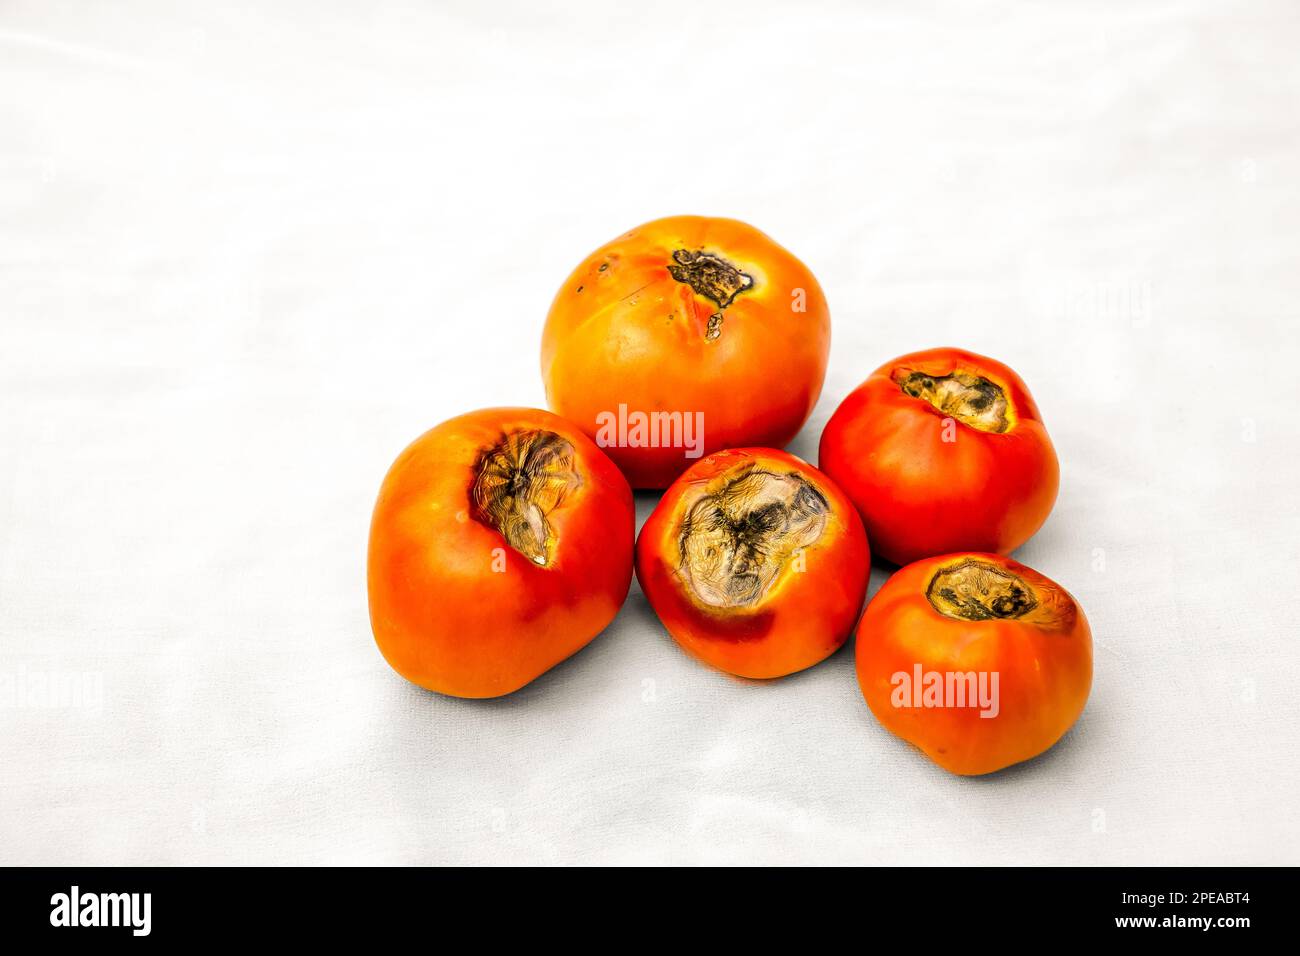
976 659
683 337
942 450
755 562
501 543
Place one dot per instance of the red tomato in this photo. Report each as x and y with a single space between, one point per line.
976 659
755 562
942 450
682 337
501 543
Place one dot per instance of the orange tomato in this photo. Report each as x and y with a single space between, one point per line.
942 450
755 562
683 337
976 659
501 543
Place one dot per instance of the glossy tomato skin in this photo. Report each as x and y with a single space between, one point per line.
622 331
453 606
802 619
1044 668
928 484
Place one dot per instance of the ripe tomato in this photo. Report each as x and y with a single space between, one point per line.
755 562
942 451
683 337
501 543
976 659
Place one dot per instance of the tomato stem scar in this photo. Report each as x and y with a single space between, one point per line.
736 539
518 482
712 277
969 398
975 590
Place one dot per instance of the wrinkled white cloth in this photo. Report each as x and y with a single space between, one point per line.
247 254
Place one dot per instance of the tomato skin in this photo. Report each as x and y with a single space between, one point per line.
441 615
623 331
1045 670
920 495
803 618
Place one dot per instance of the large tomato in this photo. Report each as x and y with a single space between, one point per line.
942 450
976 659
501 543
683 337
755 562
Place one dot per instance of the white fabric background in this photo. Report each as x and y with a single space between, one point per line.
249 251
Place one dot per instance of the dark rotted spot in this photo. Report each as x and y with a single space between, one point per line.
736 540
967 397
710 276
975 590
518 482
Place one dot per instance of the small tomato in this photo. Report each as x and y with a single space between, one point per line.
755 562
501 543
942 450
976 659
685 336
